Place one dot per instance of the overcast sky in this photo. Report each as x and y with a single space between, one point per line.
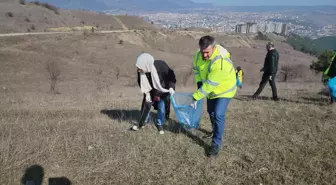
269 2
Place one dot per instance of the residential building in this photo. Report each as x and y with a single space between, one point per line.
284 30
270 28
246 28
278 28
243 28
254 28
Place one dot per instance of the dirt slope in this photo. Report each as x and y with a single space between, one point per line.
83 56
82 132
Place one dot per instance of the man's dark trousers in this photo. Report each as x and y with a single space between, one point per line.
264 80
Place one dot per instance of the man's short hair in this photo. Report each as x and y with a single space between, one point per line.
206 41
270 44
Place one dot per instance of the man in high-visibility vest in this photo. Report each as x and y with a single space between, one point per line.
330 73
216 80
326 75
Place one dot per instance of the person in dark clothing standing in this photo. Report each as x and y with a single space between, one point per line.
157 82
270 69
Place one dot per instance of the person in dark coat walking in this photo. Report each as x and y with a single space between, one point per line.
270 69
157 82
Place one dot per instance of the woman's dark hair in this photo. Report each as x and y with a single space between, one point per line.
206 41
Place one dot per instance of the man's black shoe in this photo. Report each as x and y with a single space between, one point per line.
275 99
214 149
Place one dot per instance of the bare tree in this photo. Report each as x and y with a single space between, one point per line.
285 70
117 72
291 72
54 72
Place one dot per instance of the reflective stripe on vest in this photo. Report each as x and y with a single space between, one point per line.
227 91
212 83
220 57
203 92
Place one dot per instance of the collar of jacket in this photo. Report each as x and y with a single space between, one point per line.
214 54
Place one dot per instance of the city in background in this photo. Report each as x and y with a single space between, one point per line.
312 25
278 28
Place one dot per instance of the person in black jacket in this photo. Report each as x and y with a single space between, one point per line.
270 69
156 81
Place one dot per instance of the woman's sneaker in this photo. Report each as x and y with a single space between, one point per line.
160 129
136 128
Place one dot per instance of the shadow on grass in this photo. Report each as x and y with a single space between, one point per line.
324 92
130 116
34 176
133 116
309 101
314 99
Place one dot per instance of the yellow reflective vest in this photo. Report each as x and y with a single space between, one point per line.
325 73
217 75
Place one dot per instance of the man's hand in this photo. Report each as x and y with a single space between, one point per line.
148 98
194 103
270 78
157 98
171 91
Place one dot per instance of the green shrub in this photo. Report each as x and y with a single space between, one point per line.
322 62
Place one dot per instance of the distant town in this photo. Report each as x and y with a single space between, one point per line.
281 23
278 28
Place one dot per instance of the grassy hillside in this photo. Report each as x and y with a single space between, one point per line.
325 43
37 17
82 131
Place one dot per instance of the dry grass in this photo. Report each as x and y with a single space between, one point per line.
291 144
83 133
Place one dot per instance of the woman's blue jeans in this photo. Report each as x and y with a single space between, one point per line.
161 114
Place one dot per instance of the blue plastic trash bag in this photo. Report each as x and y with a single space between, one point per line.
332 87
188 116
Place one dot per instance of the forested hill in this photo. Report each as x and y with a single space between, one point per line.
312 46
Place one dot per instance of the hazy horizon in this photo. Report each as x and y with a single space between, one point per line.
269 3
